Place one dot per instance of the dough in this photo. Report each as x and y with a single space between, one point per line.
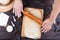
4 2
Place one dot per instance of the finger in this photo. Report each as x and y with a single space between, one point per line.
19 13
43 30
46 30
22 10
43 23
13 10
43 27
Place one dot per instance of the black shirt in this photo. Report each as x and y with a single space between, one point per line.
38 3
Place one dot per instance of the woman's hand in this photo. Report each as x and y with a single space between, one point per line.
47 25
17 7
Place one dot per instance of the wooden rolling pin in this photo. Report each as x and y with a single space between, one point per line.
32 17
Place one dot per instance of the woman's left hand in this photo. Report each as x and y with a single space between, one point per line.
47 25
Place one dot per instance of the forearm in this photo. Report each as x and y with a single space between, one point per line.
55 11
18 1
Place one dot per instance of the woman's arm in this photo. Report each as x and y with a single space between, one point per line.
47 24
56 10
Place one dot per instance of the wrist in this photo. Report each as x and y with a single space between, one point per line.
18 0
51 19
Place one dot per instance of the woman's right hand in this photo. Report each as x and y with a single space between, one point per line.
17 7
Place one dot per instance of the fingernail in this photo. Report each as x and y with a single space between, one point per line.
15 14
19 15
